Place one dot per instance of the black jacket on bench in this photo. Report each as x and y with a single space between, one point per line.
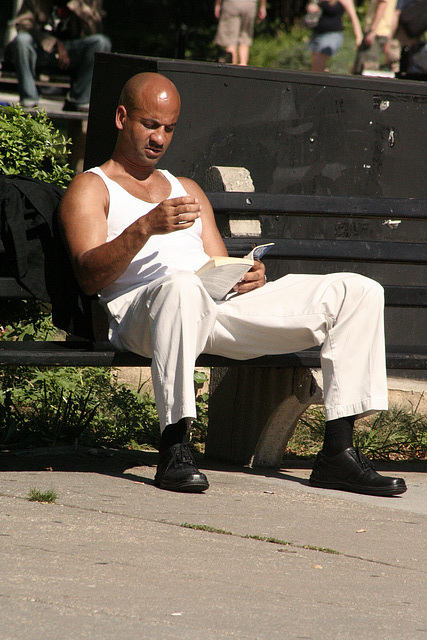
33 252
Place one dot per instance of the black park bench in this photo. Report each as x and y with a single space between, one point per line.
255 404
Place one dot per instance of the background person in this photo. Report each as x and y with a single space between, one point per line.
58 36
327 37
411 18
378 31
236 27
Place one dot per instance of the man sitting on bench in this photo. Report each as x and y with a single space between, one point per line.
137 234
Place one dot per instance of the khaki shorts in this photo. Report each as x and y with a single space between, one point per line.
236 23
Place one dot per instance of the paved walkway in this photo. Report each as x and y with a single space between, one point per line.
114 559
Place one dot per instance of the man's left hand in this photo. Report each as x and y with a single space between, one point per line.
253 279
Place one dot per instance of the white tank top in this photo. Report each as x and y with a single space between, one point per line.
162 254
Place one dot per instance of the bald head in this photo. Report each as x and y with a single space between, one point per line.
146 117
152 85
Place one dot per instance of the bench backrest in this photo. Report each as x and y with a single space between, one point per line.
382 238
296 133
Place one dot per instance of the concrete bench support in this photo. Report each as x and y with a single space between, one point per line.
253 412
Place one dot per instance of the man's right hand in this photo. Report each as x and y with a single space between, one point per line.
170 215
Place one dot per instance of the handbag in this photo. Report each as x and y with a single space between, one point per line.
311 18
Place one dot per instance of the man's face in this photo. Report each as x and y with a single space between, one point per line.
148 128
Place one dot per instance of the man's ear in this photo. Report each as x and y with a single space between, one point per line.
121 114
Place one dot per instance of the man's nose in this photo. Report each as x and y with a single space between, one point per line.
158 136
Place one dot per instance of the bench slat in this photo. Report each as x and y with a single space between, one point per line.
331 206
404 252
80 354
405 296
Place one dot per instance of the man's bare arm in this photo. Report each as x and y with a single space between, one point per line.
83 222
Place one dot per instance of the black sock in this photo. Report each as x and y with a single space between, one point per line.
173 434
338 435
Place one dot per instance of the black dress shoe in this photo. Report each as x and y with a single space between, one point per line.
177 471
351 471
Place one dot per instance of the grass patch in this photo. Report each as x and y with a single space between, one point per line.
270 540
393 435
36 495
283 543
204 527
312 547
267 539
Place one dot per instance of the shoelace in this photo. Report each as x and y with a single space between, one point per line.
184 455
365 463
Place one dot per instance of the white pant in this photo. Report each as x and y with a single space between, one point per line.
173 320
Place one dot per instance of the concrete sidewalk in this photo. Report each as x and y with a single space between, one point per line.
114 559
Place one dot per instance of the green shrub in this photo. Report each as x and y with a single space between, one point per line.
59 405
31 146
287 50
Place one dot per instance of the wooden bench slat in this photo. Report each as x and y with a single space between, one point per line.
331 206
405 296
81 354
404 252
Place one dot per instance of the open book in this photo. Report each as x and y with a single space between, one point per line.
221 273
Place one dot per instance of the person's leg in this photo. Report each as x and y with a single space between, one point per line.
319 62
342 312
323 46
246 31
170 321
24 51
243 55
233 52
82 55
372 55
353 353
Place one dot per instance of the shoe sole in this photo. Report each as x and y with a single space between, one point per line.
185 487
369 491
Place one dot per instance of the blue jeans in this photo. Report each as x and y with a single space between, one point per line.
328 43
29 56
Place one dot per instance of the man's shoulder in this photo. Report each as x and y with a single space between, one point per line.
188 183
87 181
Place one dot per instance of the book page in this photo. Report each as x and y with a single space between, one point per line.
220 280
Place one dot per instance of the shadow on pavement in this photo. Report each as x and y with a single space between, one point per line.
119 462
